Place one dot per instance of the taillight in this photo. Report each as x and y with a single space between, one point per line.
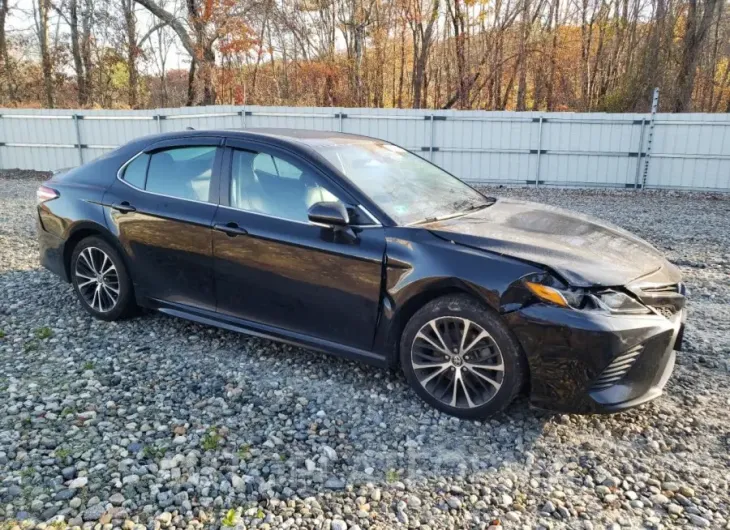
45 194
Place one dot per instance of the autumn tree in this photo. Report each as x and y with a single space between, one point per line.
422 16
698 19
586 55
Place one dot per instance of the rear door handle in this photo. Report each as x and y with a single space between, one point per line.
230 229
124 207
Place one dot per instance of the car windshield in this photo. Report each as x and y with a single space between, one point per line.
406 187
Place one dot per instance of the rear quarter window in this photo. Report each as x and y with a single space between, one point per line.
136 171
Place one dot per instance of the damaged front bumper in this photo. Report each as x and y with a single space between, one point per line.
592 362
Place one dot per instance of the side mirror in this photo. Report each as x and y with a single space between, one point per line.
329 213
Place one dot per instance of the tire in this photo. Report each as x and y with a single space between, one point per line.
494 355
87 264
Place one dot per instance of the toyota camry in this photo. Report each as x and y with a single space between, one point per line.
356 247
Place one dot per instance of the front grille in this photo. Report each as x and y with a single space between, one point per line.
618 368
667 311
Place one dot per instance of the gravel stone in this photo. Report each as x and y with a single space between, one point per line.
116 499
155 422
94 512
78 483
659 499
68 473
675 509
698 521
335 484
330 453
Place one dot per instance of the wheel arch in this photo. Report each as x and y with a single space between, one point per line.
421 295
86 229
444 287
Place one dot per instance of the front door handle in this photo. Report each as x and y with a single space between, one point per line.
124 207
230 229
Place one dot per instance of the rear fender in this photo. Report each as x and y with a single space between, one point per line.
83 229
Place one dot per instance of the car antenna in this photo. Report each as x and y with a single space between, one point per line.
188 128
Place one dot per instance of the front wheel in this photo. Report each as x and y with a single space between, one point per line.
460 358
100 280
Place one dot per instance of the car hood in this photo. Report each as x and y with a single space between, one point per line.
583 250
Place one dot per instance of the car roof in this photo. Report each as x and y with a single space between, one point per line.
292 137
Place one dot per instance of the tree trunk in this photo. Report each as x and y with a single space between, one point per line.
86 23
457 21
163 68
73 23
192 92
695 31
4 56
419 68
522 57
130 26
402 67
4 8
549 96
260 50
359 45
421 53
46 61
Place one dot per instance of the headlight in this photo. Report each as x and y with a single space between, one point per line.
551 290
620 303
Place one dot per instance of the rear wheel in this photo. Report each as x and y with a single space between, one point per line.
460 358
100 280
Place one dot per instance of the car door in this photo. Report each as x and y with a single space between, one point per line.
161 207
274 267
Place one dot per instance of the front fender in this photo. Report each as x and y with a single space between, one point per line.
420 267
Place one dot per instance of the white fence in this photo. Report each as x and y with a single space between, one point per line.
684 151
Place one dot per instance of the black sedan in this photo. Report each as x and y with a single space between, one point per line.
357 247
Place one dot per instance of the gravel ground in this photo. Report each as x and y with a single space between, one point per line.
157 422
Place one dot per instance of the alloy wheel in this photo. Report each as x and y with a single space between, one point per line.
97 279
457 362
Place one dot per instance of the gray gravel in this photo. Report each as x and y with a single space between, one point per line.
157 422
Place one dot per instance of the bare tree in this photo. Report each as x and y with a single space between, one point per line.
41 10
77 21
130 27
457 15
422 26
355 17
160 50
197 39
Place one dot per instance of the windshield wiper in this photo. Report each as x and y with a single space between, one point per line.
464 211
477 207
426 221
